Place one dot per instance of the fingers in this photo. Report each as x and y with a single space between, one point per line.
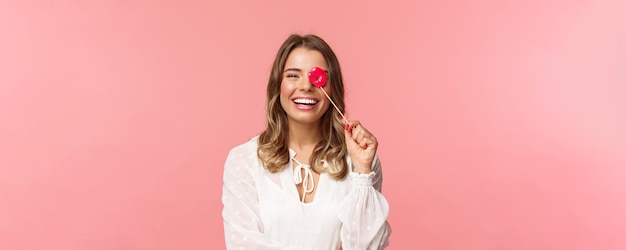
360 135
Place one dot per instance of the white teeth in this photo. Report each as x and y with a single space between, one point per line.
304 101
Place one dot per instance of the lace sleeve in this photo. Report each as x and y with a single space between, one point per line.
364 213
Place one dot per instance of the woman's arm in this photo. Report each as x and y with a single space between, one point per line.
243 228
364 215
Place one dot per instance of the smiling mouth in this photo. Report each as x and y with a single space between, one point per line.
305 101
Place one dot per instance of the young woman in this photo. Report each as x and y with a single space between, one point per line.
309 181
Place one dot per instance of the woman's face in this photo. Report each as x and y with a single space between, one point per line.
303 102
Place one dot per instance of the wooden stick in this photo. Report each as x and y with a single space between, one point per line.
334 105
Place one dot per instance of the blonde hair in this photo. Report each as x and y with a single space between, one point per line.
273 150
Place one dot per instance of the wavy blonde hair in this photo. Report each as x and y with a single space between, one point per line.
273 150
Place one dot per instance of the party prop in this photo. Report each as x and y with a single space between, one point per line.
317 76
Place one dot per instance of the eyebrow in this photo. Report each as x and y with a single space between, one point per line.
293 69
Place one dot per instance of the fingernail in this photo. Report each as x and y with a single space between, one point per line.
347 127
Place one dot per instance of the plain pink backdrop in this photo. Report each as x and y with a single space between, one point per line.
501 123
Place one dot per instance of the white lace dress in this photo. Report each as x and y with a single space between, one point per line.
262 210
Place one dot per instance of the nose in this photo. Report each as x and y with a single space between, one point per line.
305 84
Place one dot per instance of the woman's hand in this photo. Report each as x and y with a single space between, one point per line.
362 147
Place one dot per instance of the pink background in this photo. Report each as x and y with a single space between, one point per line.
502 123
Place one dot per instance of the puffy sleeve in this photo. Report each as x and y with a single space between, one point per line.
243 228
364 213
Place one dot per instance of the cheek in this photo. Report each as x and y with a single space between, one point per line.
285 92
328 90
286 89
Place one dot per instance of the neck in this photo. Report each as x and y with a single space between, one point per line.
304 136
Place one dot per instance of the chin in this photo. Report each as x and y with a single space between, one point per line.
306 120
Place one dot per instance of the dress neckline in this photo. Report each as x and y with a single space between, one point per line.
308 180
